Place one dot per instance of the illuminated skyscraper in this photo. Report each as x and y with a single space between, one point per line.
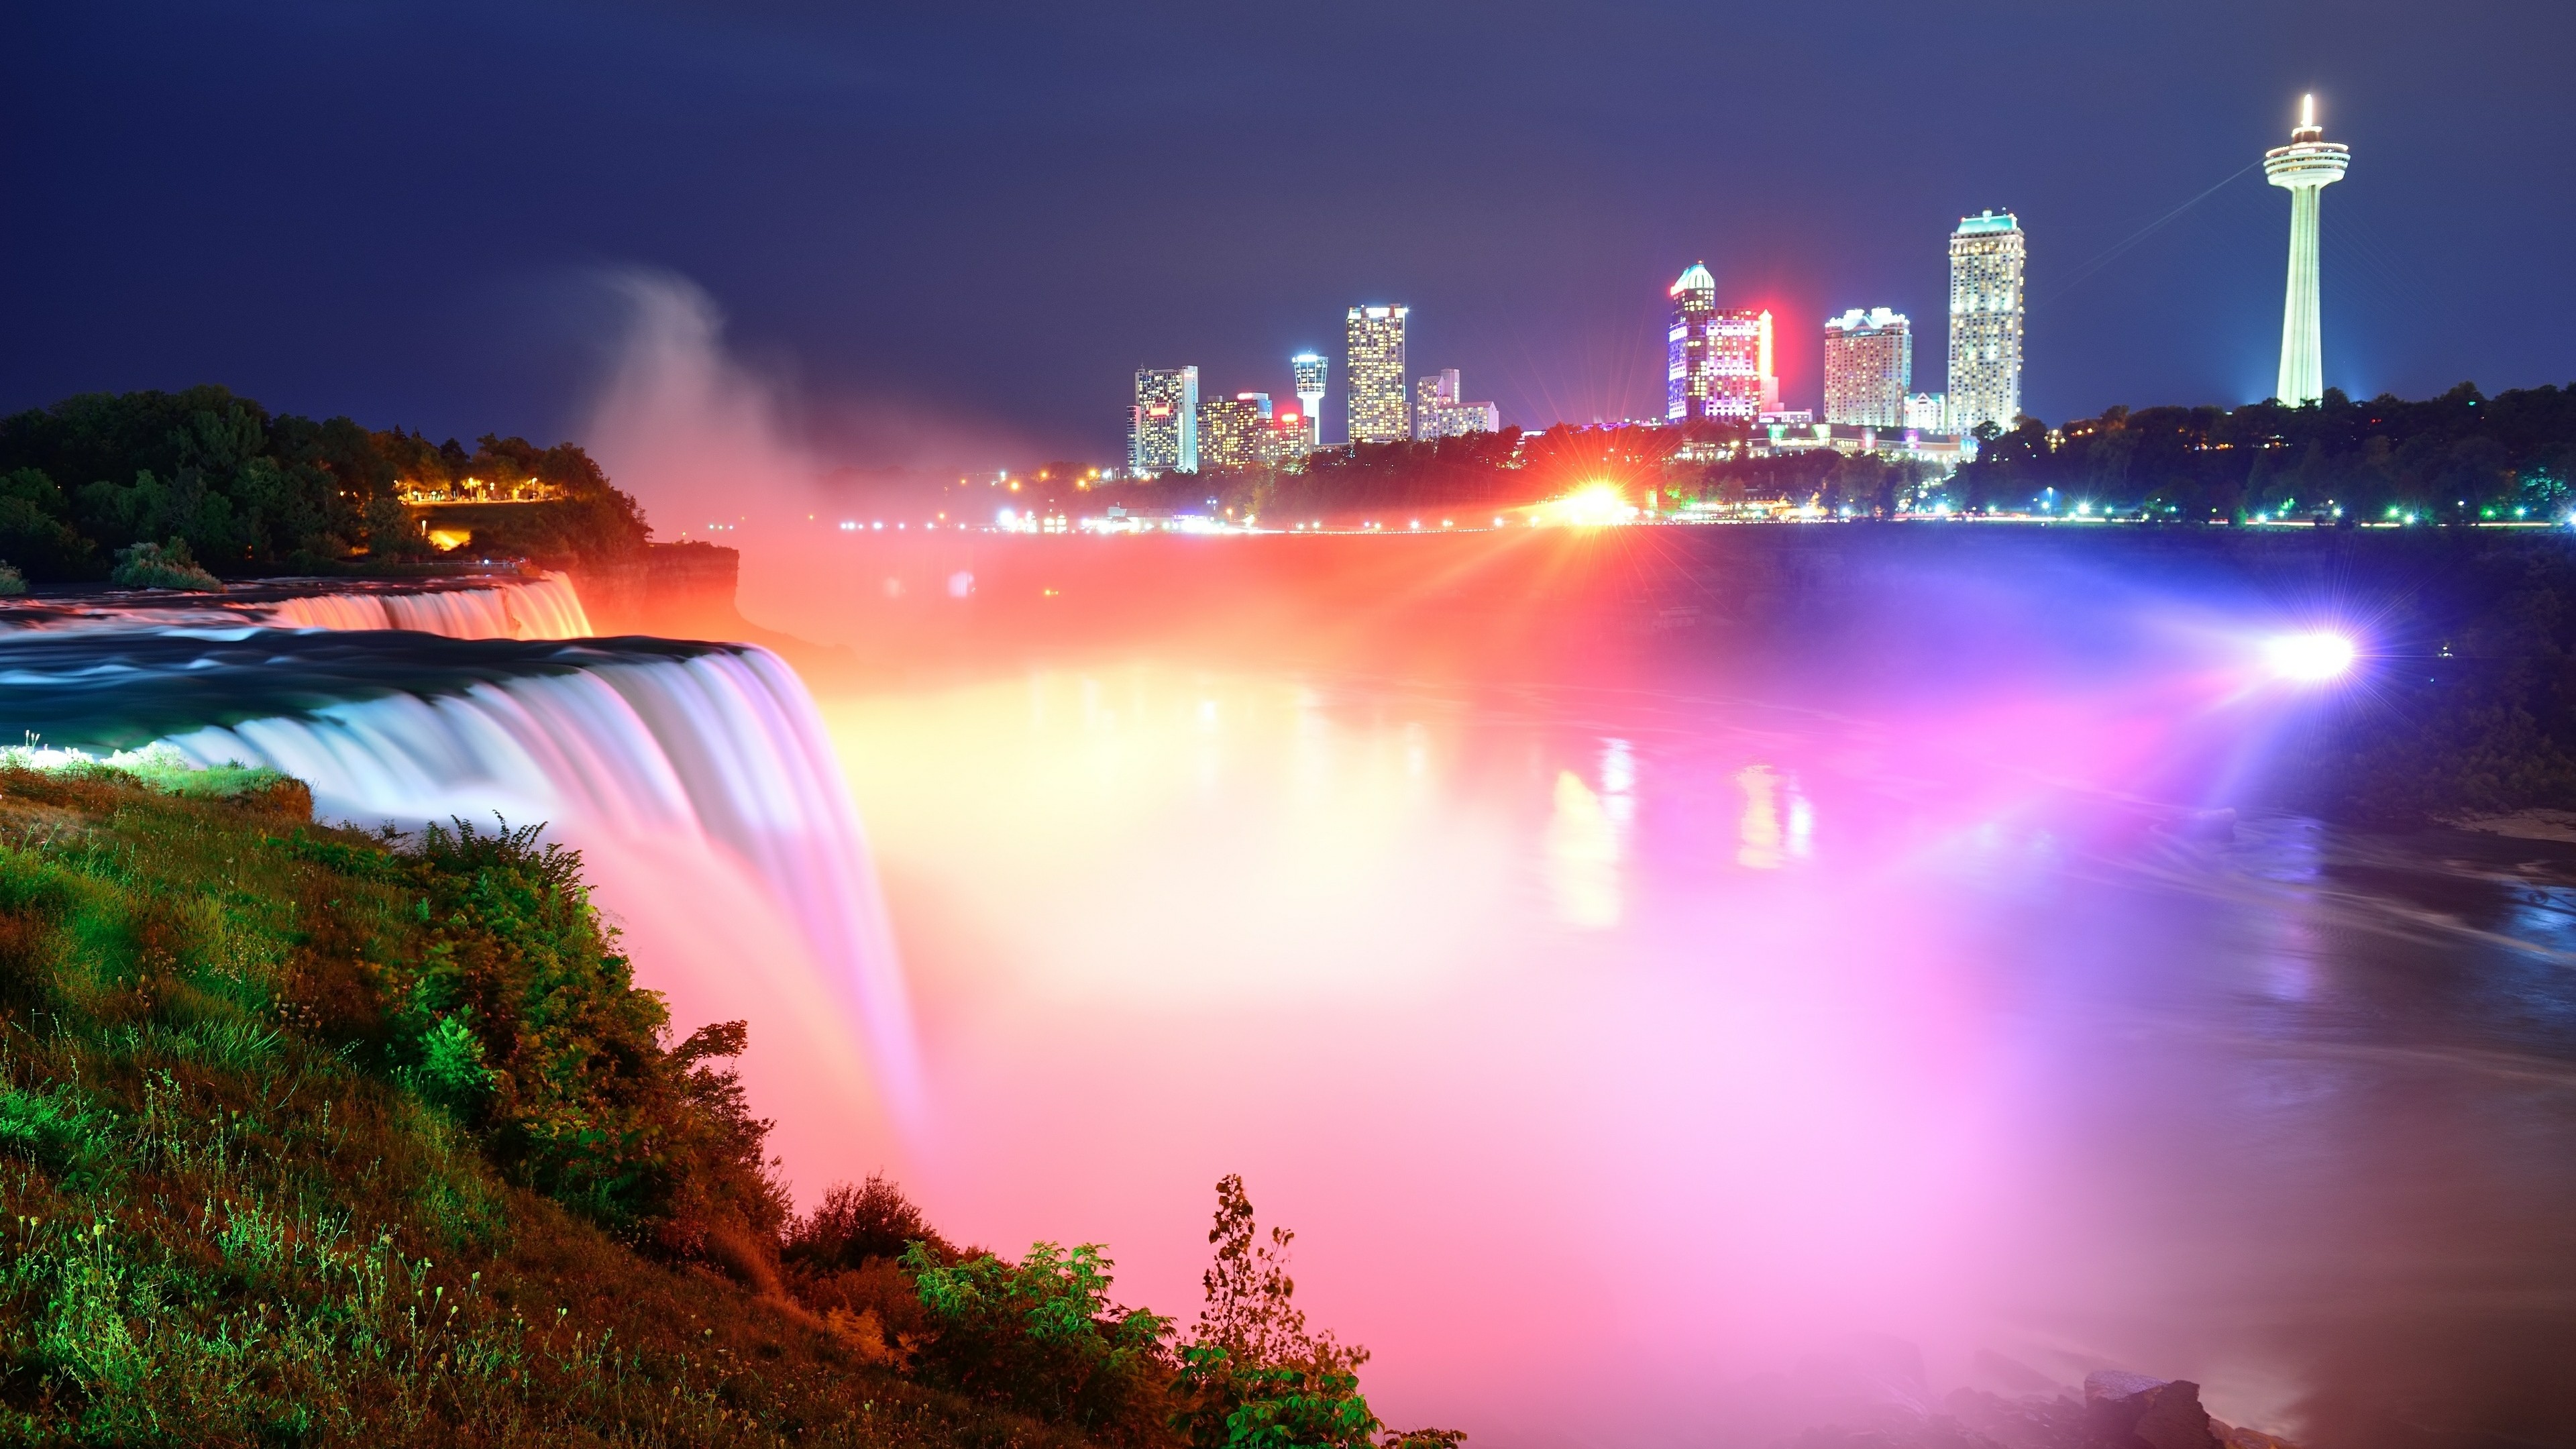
1437 412
1374 373
1285 440
1869 367
1230 430
1310 371
1163 426
1686 374
1715 360
2304 168
1739 352
1986 255
1763 370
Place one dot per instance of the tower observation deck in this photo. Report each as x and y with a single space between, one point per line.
2305 167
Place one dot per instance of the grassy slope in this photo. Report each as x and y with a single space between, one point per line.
232 1217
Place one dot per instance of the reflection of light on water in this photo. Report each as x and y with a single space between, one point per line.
1586 837
1498 982
1583 856
1759 828
1618 768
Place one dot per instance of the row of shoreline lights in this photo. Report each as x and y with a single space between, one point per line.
1584 509
1594 505
1599 504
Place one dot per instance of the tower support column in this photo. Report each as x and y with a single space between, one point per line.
2302 334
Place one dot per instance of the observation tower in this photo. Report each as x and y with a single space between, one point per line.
1308 369
2305 167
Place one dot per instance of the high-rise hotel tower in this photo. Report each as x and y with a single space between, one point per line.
1374 375
1869 367
2304 168
1716 361
1986 255
1163 425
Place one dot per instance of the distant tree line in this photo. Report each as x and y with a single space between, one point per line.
2462 457
1864 485
1474 471
205 476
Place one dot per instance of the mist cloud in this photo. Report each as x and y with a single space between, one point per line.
703 439
692 433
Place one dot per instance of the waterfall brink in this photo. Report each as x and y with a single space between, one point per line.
545 607
540 608
696 780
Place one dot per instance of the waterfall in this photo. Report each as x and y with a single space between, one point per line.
696 780
545 607
539 608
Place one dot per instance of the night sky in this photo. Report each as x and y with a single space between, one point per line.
951 232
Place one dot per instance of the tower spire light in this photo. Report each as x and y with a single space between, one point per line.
2304 168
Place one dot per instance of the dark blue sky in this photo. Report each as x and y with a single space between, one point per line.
985 216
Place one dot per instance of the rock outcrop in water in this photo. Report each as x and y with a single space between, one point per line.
1873 1395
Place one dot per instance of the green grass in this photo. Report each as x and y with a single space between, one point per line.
309 1137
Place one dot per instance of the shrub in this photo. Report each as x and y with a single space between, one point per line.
522 1021
1042 1337
855 1225
12 582
150 565
1253 1375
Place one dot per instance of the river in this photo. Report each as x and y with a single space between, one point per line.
1615 1038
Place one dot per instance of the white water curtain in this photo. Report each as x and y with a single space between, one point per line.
718 832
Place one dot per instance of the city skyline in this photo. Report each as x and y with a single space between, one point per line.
851 262
1719 362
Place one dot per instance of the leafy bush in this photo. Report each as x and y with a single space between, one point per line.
12 582
153 566
1253 1375
1041 1336
853 1226
452 1070
519 1018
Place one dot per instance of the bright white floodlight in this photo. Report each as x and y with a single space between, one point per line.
2311 658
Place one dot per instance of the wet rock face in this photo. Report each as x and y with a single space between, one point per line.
2033 1421
2132 1411
1872 1395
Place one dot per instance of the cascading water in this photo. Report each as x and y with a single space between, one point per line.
695 779
539 608
544 607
